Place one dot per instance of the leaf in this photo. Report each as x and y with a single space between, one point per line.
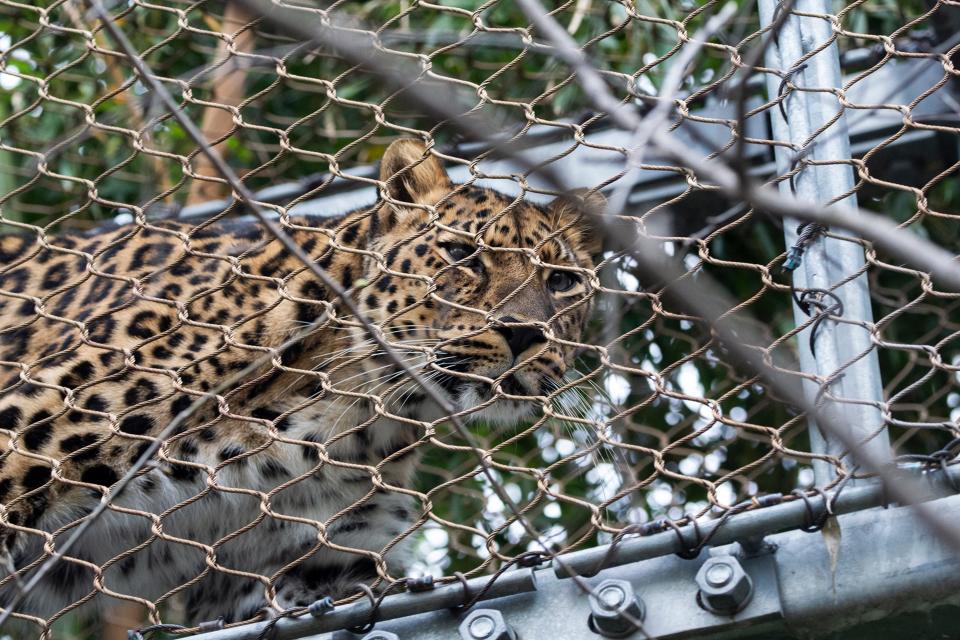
831 538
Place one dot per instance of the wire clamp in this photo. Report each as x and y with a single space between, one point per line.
321 607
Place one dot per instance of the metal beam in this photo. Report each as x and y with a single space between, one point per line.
878 564
647 561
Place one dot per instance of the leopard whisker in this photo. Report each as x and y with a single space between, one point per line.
423 343
362 374
431 375
384 381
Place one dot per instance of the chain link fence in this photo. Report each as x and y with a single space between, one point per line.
653 421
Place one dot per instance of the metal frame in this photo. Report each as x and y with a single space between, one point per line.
845 359
589 168
860 567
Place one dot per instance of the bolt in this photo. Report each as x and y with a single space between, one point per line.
719 574
725 588
381 635
615 609
482 626
486 624
612 596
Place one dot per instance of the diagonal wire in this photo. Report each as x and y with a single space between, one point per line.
246 196
145 457
517 150
690 295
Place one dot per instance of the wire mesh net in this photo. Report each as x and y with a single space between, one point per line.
282 455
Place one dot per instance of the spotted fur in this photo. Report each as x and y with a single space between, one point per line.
99 356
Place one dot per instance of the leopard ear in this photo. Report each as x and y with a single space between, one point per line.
412 174
583 208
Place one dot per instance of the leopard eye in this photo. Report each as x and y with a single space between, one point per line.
458 250
560 281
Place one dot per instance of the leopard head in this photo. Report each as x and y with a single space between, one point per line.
486 294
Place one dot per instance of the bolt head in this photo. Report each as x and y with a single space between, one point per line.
613 606
725 588
612 596
485 624
482 627
719 574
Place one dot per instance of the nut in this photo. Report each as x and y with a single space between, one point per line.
381 635
486 624
614 608
725 588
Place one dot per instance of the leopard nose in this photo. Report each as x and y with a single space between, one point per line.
519 339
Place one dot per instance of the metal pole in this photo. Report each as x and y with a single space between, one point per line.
749 525
827 262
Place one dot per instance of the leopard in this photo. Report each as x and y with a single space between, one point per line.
217 395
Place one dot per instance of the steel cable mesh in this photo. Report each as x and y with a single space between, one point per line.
653 420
